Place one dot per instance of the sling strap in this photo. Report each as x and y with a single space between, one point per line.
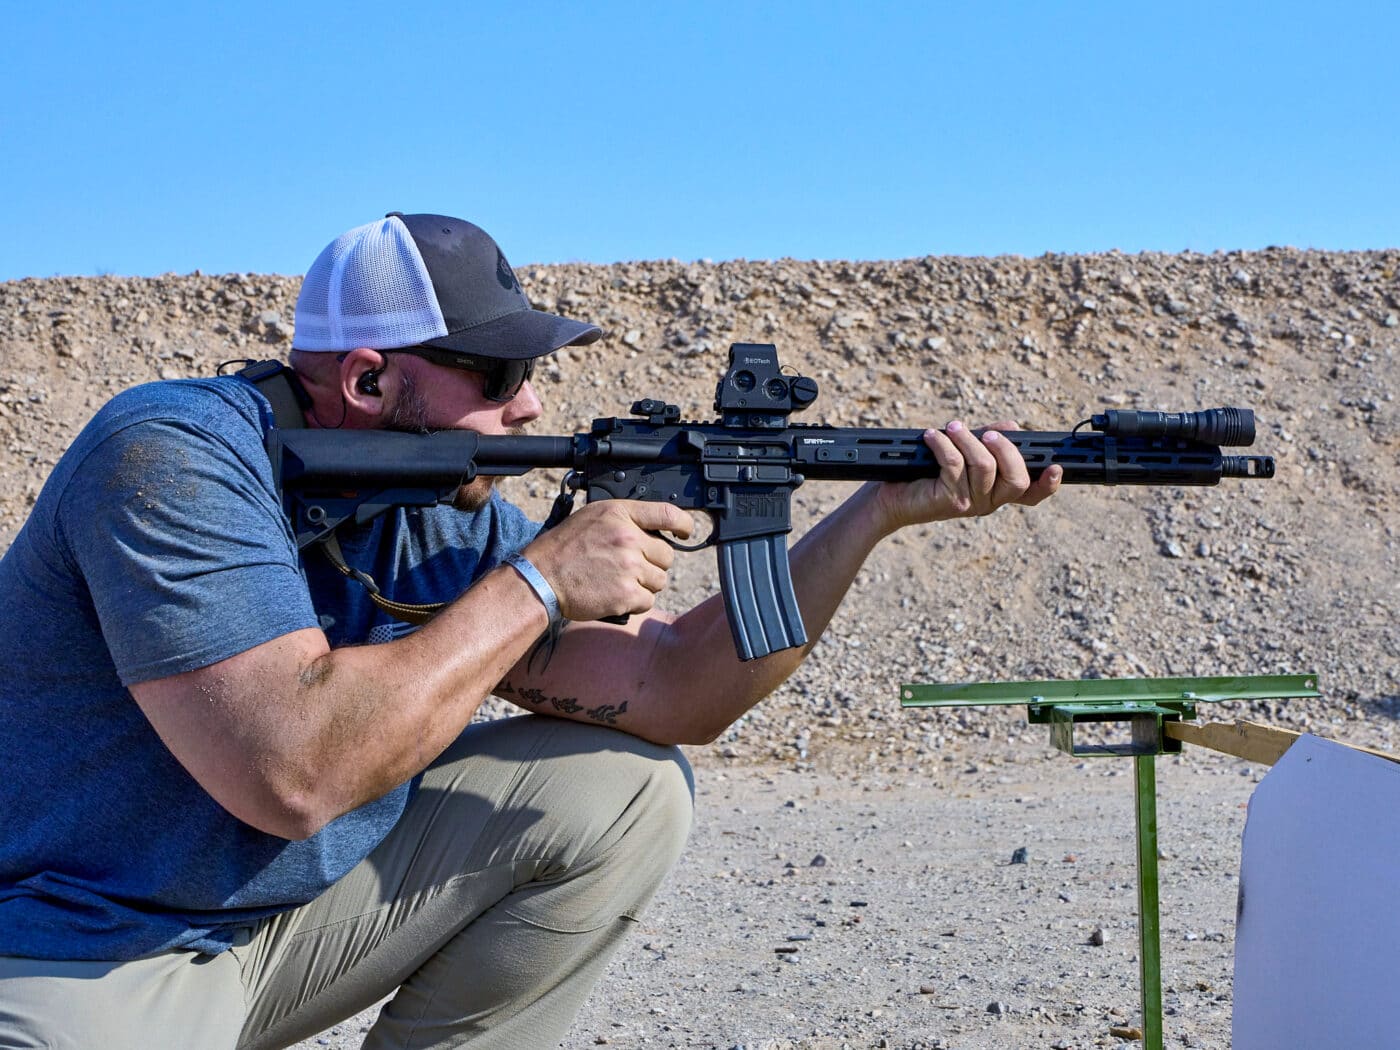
283 390
404 612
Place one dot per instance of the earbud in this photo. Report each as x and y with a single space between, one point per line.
369 383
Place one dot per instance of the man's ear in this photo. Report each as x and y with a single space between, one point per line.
359 385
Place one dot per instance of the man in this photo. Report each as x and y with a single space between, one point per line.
230 821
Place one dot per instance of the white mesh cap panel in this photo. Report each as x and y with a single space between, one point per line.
368 288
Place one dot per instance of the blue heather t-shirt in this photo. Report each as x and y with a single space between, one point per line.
157 546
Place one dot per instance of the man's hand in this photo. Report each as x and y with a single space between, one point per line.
976 475
608 558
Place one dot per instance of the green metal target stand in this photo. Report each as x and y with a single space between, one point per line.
1148 706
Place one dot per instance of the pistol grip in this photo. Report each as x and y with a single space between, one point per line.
758 597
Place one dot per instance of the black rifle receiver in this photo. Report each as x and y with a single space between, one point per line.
741 469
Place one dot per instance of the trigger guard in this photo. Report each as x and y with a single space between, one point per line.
708 541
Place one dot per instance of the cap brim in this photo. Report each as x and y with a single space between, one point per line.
519 336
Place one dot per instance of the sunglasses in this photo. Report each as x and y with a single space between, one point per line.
504 377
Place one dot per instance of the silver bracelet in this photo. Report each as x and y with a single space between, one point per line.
543 591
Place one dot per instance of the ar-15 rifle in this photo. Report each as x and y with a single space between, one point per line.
741 469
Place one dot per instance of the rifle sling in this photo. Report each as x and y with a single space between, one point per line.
284 392
406 612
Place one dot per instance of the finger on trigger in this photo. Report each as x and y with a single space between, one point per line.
661 517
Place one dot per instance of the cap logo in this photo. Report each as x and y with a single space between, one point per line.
505 274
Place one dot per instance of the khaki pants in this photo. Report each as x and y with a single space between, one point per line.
488 913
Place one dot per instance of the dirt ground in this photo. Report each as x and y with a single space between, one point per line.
915 929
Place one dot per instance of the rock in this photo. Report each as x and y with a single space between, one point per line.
1020 855
1099 937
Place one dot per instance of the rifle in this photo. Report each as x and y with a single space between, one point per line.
741 469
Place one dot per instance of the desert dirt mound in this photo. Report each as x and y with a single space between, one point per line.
1296 574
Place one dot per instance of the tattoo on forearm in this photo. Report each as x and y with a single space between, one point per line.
567 705
528 696
607 713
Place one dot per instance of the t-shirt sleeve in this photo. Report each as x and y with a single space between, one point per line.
183 546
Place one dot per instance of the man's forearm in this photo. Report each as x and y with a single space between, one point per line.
415 695
711 686
289 735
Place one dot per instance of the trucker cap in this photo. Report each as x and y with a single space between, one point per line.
424 280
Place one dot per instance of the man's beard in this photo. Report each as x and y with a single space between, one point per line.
410 416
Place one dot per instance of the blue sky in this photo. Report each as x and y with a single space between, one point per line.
140 139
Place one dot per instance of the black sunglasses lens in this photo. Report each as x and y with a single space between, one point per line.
506 378
503 378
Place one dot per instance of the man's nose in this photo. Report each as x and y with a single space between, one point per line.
524 407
